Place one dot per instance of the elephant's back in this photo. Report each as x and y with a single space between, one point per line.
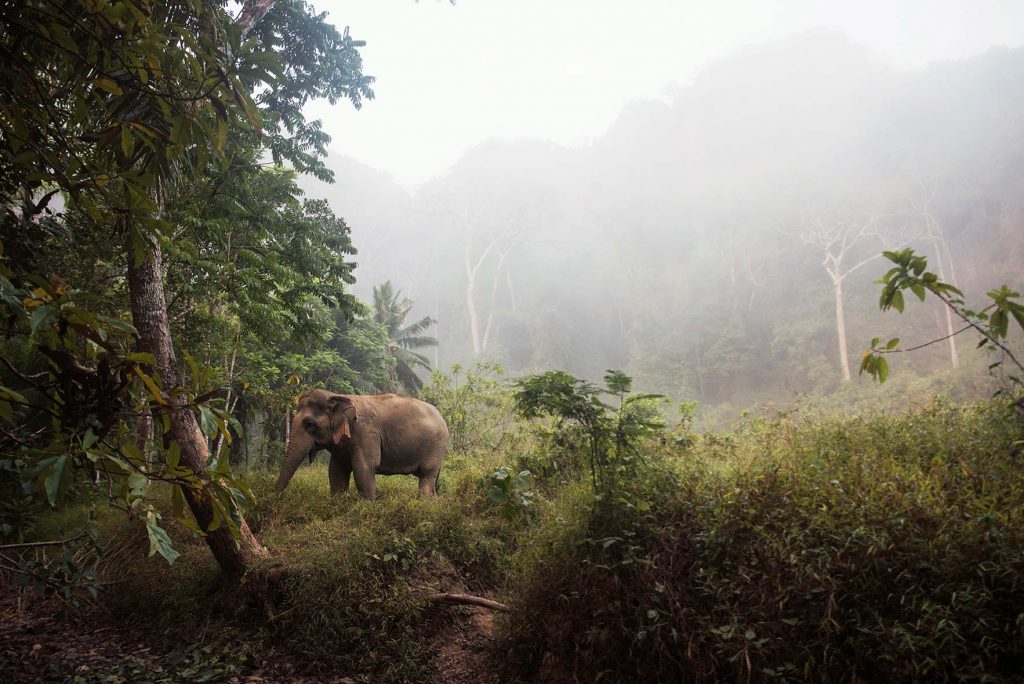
422 417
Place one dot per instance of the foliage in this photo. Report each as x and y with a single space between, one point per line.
992 322
92 380
358 572
793 547
512 492
403 338
197 662
612 434
477 408
151 122
819 548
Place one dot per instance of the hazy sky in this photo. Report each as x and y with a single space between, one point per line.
451 76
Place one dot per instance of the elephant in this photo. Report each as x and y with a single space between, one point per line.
388 434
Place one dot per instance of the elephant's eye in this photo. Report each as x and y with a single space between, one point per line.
309 425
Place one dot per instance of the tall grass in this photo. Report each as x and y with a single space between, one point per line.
826 548
795 547
354 599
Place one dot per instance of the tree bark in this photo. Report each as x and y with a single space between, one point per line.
494 296
940 242
844 359
149 313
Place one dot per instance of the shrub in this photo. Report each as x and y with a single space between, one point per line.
828 549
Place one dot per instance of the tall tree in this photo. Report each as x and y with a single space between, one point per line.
122 105
842 237
390 310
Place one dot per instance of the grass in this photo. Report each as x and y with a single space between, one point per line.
793 547
824 548
359 572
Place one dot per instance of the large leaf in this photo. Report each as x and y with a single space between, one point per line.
159 540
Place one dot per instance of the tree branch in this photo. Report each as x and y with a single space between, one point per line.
468 600
921 346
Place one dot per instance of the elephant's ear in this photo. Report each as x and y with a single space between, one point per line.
342 412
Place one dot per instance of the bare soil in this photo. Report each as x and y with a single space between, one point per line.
41 641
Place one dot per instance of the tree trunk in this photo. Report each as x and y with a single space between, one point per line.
494 297
940 242
844 360
149 313
474 322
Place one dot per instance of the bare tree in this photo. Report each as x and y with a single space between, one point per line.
841 236
497 247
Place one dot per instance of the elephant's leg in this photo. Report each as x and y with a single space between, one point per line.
428 483
339 472
365 474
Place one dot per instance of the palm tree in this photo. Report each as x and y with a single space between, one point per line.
390 310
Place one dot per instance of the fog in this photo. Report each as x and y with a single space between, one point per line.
718 238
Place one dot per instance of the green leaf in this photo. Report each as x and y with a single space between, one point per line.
109 85
883 370
127 142
893 343
173 456
154 390
897 300
177 502
1018 313
43 316
999 324
524 480
62 37
159 540
138 484
11 394
56 479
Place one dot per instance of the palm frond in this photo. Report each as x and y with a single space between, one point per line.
416 328
416 342
411 358
407 378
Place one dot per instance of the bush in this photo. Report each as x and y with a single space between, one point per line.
824 549
478 411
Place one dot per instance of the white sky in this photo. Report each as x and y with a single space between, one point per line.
449 77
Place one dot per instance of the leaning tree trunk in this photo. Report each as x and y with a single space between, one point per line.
149 313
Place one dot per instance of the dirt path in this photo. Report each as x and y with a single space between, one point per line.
38 645
463 649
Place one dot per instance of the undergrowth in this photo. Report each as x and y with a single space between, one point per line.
359 573
823 548
795 547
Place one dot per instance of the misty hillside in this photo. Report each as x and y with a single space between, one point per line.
678 240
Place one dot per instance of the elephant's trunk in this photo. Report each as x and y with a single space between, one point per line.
300 444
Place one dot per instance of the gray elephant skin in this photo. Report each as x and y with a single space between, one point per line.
369 434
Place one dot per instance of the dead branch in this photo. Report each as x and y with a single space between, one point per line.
468 600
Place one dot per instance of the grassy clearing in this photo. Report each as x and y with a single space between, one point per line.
354 600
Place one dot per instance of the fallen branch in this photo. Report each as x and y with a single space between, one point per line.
27 545
468 600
